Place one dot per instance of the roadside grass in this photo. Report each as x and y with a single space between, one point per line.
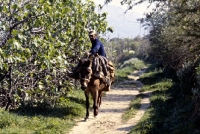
151 77
44 120
163 84
169 111
134 106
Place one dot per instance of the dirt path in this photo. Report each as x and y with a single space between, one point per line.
114 104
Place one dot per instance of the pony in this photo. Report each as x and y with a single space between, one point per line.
92 84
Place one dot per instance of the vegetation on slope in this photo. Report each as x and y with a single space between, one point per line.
169 112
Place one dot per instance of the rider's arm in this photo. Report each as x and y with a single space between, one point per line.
95 48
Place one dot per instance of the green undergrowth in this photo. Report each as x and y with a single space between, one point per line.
121 73
169 112
44 120
133 62
128 67
134 106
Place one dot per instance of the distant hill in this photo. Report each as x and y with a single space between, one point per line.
125 24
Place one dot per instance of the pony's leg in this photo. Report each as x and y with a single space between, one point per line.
95 104
87 104
99 98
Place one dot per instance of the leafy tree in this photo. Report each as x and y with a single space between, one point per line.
41 40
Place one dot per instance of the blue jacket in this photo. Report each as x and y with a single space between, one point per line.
97 47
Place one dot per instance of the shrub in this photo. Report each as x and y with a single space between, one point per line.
133 62
187 78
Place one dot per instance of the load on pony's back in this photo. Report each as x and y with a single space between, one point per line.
104 70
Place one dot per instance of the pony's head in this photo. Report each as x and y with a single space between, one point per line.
85 72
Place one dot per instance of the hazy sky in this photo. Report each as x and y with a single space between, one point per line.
124 25
141 9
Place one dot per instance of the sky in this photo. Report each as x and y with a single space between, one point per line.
137 9
125 25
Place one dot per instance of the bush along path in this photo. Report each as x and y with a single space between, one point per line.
115 105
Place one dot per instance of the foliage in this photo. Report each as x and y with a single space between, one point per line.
187 78
125 59
120 50
174 36
174 39
134 63
40 41
173 33
169 111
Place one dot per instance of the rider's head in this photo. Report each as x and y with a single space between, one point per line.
92 35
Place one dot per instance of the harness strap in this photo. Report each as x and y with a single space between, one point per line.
89 75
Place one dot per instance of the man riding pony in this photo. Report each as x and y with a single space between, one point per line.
96 49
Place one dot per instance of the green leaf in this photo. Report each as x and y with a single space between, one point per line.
38 23
17 45
14 6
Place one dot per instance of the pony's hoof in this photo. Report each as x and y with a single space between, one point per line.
86 119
